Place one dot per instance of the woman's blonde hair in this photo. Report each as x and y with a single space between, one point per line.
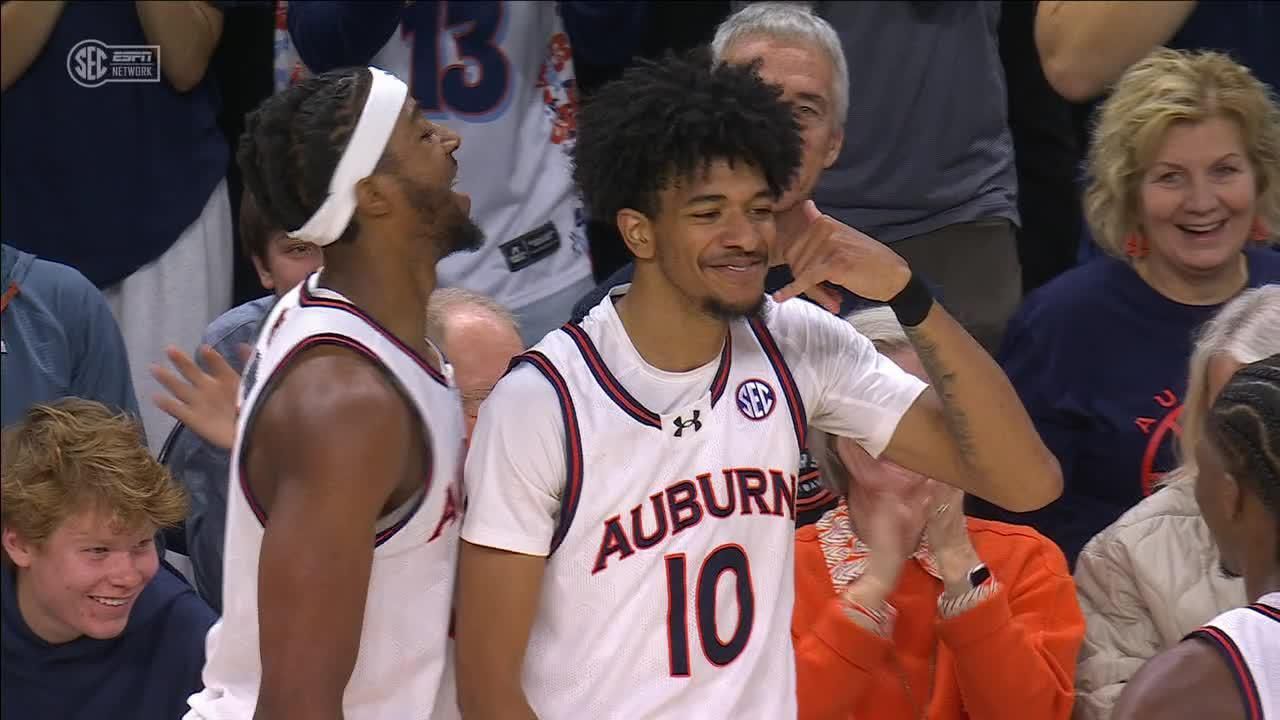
1247 329
75 455
1165 88
881 327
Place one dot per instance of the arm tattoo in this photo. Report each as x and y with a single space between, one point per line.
943 380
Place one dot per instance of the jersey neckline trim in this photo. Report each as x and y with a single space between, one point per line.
307 298
615 390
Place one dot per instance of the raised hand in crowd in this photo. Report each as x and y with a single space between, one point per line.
204 401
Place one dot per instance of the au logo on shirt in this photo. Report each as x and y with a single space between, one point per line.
755 398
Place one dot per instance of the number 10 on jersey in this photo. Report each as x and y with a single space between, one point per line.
724 559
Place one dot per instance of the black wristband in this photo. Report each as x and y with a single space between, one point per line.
912 303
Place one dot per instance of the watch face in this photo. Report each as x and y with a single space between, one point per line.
979 575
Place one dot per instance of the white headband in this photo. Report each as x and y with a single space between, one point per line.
368 140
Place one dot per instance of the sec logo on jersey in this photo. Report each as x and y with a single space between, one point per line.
756 399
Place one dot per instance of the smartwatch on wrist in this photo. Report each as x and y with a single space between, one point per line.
978 575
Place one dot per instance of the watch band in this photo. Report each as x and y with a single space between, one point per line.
979 575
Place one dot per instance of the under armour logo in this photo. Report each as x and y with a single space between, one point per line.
693 422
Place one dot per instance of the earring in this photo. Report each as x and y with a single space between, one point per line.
1260 233
1135 245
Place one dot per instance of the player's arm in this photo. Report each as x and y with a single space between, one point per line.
497 599
515 474
187 33
969 429
1189 681
334 440
24 29
1085 45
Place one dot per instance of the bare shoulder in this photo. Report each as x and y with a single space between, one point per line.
332 386
1189 681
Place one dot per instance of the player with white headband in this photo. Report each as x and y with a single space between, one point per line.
342 516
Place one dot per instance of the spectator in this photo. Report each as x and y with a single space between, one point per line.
479 337
1184 183
1228 668
927 165
1154 575
200 466
134 198
59 339
906 609
500 75
94 625
1087 46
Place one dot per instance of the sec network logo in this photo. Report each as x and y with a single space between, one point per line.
93 63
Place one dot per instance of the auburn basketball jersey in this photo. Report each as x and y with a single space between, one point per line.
1248 639
668 590
402 655
500 74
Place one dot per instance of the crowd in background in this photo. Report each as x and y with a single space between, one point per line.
1091 195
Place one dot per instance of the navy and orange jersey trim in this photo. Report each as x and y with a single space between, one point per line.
572 442
616 392
1230 653
794 402
314 341
306 299
1266 611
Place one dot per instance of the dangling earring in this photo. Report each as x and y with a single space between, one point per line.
1261 233
1135 245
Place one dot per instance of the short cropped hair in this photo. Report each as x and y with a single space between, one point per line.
1165 88
445 302
794 22
74 455
662 122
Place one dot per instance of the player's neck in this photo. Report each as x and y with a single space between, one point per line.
668 332
393 294
1256 587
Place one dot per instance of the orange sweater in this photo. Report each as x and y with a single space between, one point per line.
1011 658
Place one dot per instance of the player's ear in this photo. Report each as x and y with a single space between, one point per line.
637 233
373 195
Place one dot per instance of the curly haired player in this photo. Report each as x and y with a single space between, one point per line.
631 510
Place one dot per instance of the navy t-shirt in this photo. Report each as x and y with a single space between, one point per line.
1100 360
104 179
146 673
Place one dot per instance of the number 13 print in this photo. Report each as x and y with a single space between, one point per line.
466 35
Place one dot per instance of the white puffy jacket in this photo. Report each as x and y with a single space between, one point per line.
1144 583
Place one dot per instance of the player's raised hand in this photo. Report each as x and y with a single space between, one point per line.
828 251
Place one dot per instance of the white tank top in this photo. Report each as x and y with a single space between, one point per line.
669 586
1248 639
403 643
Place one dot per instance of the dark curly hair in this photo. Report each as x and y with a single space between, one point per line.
293 141
662 121
1244 425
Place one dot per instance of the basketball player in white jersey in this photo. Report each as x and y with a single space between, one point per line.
1230 668
342 513
631 481
501 75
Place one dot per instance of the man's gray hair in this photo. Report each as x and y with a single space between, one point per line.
445 302
790 21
